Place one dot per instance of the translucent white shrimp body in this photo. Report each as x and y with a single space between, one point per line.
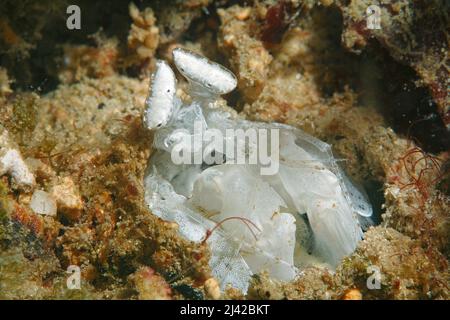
307 213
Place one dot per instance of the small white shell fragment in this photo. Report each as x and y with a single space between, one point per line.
43 203
213 77
11 162
160 102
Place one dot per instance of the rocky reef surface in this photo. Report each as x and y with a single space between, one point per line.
74 149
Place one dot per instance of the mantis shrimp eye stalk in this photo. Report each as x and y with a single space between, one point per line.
207 78
159 104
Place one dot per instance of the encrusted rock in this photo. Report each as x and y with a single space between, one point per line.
150 285
212 288
248 57
352 294
5 88
67 197
144 34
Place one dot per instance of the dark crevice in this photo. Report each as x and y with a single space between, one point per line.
375 193
409 108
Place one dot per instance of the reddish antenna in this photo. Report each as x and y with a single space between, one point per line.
246 221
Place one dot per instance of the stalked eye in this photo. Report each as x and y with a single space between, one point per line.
159 103
211 76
